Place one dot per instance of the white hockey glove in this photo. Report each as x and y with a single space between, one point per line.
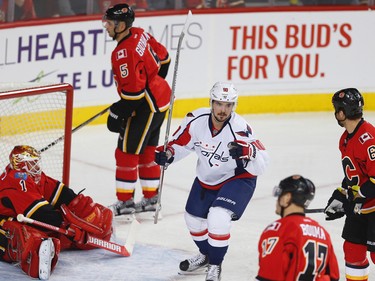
239 149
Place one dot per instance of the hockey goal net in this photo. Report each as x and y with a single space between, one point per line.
39 115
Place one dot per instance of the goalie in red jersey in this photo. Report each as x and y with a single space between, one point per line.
139 65
25 189
296 247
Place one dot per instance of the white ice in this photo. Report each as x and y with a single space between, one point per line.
303 143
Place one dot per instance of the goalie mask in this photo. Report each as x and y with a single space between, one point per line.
302 190
25 158
224 92
350 101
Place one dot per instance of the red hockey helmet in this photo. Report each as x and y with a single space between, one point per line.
27 159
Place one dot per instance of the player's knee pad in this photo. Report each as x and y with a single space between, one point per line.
148 155
124 159
149 171
197 227
219 220
355 254
219 223
126 166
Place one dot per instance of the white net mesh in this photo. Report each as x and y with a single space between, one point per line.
31 114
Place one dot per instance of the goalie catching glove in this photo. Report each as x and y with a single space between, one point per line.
164 158
82 215
239 149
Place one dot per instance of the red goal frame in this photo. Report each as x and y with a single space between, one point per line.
45 89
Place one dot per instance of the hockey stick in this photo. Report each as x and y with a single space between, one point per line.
75 129
308 211
123 250
170 110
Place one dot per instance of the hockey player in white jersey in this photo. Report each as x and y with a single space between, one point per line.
230 158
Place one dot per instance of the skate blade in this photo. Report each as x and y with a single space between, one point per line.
125 218
150 215
199 271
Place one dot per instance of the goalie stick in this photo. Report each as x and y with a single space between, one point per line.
123 250
56 141
170 110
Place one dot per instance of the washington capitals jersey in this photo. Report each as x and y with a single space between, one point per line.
358 160
296 248
214 164
136 61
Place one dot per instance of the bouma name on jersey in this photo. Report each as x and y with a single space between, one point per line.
313 231
142 44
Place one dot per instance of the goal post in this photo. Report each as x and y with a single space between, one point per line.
36 114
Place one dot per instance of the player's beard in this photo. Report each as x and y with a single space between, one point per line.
220 117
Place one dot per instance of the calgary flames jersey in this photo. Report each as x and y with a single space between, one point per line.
136 61
19 194
296 248
358 160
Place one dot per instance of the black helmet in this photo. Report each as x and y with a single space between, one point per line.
302 190
120 12
350 101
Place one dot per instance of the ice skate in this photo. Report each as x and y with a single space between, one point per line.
213 272
146 204
195 265
123 207
46 254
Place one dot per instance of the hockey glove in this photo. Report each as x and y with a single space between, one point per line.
239 149
356 199
115 118
164 158
336 205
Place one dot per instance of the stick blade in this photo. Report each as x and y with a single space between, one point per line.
130 240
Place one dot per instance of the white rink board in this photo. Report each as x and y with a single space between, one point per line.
261 52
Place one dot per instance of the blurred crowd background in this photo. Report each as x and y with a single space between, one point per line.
19 10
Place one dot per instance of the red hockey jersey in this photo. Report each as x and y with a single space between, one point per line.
358 159
19 194
296 248
136 61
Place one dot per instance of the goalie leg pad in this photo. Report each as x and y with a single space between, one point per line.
23 247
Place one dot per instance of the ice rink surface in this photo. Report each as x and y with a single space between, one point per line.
298 143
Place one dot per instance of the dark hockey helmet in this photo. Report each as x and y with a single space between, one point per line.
350 101
120 12
302 190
